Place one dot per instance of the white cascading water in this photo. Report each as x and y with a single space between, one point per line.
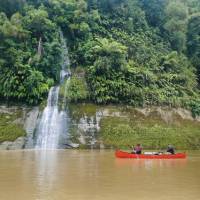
53 123
65 72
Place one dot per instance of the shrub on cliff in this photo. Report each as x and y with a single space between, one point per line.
74 90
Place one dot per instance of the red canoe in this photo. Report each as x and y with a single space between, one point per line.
122 154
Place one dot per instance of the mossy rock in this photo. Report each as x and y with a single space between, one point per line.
9 130
80 110
121 132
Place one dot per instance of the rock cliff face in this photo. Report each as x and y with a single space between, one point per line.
25 119
17 144
30 125
89 124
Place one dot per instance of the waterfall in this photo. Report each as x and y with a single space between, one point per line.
65 71
53 123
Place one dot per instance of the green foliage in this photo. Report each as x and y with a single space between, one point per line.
194 41
109 55
172 80
194 105
154 11
135 52
193 34
29 55
176 14
104 78
74 90
122 133
10 131
11 6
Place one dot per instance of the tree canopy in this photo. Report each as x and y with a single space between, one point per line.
137 52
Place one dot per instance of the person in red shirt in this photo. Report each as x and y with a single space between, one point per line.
137 149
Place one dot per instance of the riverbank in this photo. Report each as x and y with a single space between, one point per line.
101 127
122 126
11 124
17 124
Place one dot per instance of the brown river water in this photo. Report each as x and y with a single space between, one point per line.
96 175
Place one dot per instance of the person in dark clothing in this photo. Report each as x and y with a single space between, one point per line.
137 149
170 149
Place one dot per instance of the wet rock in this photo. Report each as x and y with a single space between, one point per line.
30 126
17 144
5 145
24 116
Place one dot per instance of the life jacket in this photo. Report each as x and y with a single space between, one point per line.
138 148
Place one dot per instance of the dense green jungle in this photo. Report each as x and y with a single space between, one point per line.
139 53
134 52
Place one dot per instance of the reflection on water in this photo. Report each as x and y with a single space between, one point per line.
96 175
45 171
149 164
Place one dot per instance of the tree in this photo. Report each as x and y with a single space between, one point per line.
11 6
194 35
92 5
38 23
104 77
20 77
194 41
112 52
154 11
176 24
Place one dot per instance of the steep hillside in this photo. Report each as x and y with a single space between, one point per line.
134 52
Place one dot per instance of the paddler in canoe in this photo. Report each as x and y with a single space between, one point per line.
170 149
137 149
